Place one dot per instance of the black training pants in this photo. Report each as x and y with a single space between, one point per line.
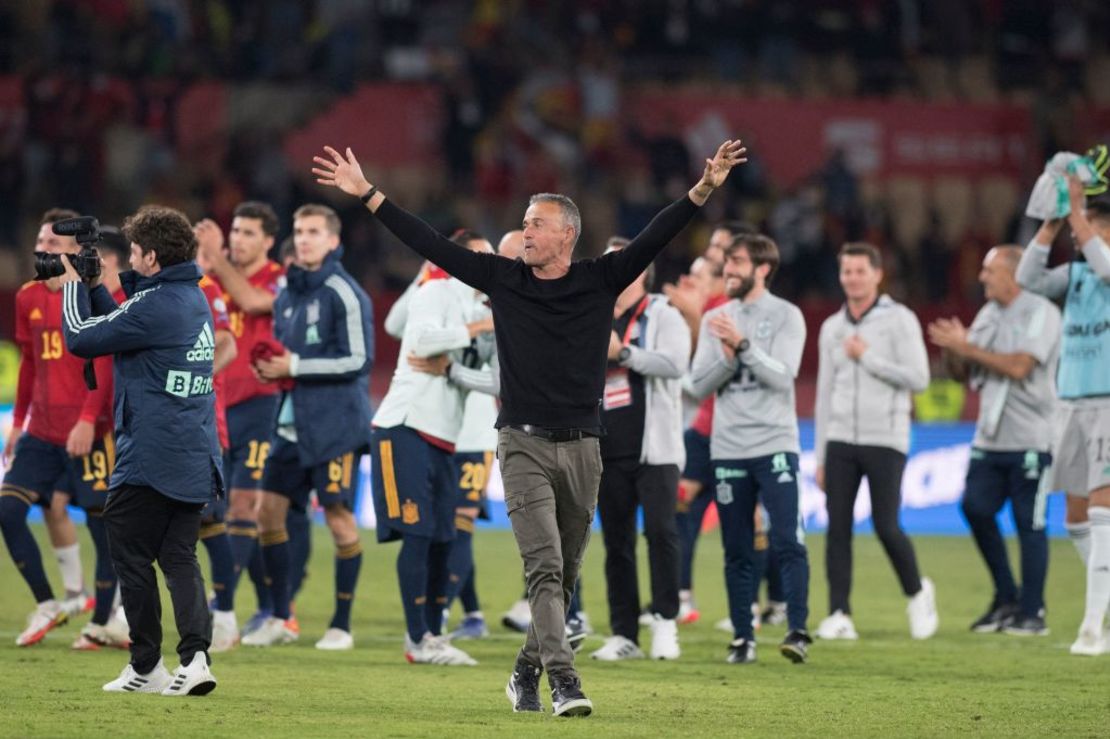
845 467
626 485
145 526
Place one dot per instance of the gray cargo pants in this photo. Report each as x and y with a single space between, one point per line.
550 494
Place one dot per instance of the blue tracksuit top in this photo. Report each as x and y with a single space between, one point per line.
325 319
163 343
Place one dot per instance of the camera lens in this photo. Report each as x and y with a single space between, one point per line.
48 265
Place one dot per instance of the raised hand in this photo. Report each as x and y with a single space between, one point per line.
342 172
728 155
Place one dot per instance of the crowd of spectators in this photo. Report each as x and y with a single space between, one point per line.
531 95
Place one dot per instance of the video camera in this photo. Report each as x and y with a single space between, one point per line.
86 229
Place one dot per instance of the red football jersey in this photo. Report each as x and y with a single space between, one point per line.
248 331
220 322
703 422
52 388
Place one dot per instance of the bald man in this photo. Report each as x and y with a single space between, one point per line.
512 245
1009 354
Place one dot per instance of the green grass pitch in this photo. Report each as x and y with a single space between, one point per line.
884 685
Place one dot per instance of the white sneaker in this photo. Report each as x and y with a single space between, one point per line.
1092 640
922 611
94 637
664 638
436 650
192 679
617 648
225 631
48 615
75 605
647 618
837 625
583 620
130 681
725 624
688 611
272 631
519 617
335 640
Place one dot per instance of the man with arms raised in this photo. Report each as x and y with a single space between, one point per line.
1081 453
552 321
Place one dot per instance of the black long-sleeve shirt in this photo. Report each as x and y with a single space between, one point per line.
552 335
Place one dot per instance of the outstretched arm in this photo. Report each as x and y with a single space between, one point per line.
631 261
345 174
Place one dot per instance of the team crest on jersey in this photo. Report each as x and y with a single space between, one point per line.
1032 465
724 493
410 513
763 329
36 314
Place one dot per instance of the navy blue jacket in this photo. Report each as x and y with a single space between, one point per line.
325 320
165 411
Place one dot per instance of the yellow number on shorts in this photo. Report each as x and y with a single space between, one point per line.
335 470
96 466
473 476
51 344
256 456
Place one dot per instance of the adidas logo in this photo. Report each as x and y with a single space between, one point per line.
785 477
205 347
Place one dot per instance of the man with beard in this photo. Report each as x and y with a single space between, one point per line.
748 353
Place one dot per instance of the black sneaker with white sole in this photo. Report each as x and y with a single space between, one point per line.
1026 626
795 647
567 698
524 687
997 617
741 652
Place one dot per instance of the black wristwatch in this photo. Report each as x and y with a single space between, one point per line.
742 346
369 194
624 354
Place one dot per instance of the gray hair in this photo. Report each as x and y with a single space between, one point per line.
566 205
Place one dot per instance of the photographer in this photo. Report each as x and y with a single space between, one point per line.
168 459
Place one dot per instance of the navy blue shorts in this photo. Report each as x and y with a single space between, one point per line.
250 426
335 481
699 468
414 486
472 471
40 468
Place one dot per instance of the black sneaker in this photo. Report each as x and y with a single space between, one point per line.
576 633
795 647
1026 626
996 619
524 687
567 698
741 652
